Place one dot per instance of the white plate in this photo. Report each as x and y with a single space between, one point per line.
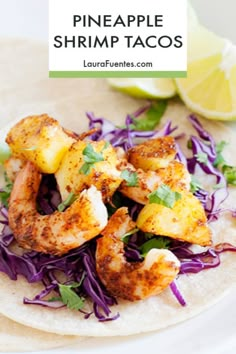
212 332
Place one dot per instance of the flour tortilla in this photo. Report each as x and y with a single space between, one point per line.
67 100
15 337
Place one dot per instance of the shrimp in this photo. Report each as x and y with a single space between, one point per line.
175 176
59 232
12 167
153 154
131 280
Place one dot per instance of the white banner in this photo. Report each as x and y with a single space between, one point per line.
123 38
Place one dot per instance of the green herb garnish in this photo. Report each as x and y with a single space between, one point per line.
90 158
126 236
202 157
69 297
195 184
5 193
155 242
130 177
219 161
67 202
153 116
230 174
164 196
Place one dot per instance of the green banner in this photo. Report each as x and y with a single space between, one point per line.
111 74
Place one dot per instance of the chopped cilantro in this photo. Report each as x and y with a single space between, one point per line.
69 297
6 191
219 161
230 174
221 145
195 184
130 177
153 116
164 196
90 158
69 200
125 237
202 157
155 242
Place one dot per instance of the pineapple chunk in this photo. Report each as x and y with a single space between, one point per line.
72 175
153 154
186 221
41 140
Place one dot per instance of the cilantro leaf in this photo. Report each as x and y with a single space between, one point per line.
164 196
202 157
90 158
153 116
67 202
69 297
219 161
130 177
230 174
221 145
155 242
195 184
125 237
6 191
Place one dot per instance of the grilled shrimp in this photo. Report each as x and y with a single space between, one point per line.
153 154
131 280
175 175
59 232
12 166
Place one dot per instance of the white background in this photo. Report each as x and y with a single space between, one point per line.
213 332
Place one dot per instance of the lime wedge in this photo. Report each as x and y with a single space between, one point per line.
145 88
210 87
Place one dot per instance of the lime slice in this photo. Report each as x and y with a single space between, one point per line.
210 87
145 88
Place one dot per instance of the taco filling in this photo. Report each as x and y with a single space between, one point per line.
112 213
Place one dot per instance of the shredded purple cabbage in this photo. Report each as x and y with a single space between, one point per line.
176 292
125 137
80 263
195 262
37 267
205 144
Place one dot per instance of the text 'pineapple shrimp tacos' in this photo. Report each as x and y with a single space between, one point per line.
190 293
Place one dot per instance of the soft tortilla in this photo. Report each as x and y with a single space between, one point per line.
68 100
17 338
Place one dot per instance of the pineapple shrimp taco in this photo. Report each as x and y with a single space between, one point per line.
112 224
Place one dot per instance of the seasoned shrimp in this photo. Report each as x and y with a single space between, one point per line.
175 176
153 154
12 166
59 232
131 280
